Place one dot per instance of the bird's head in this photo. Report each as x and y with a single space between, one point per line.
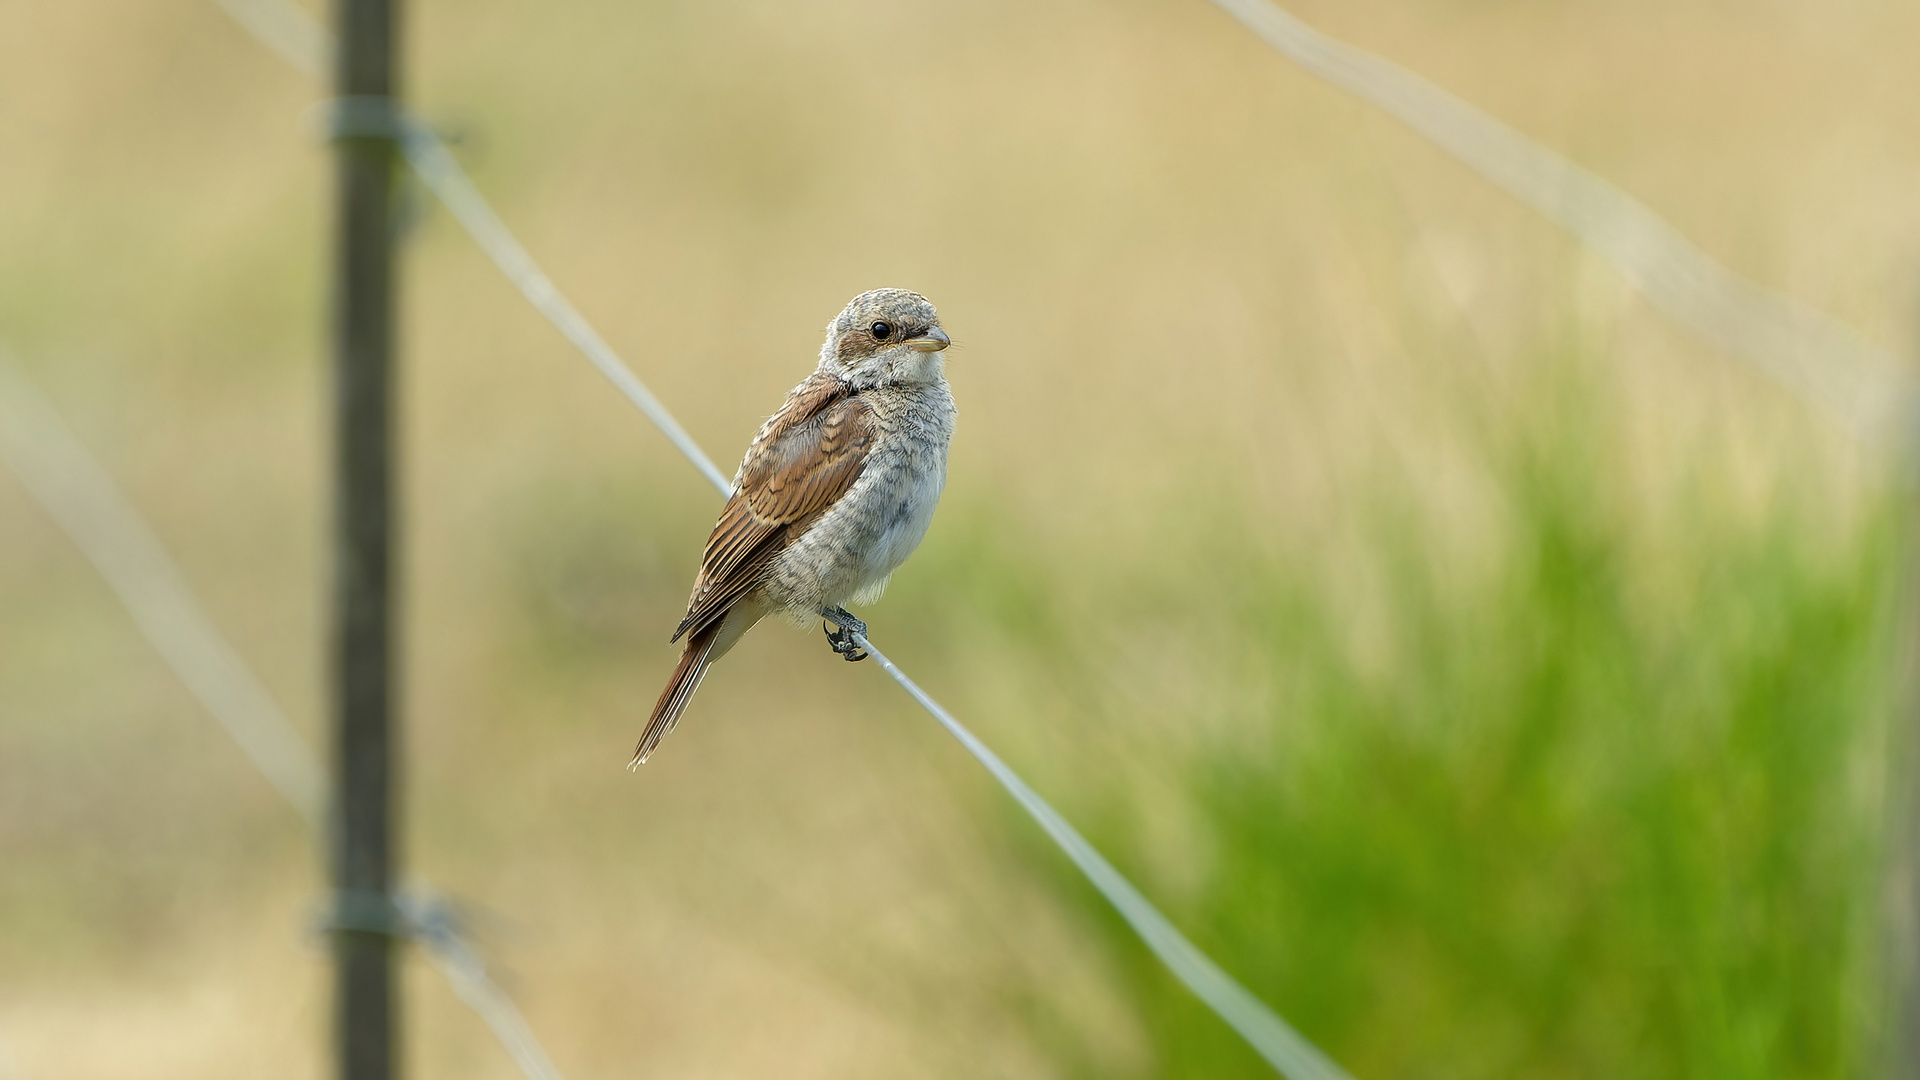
885 336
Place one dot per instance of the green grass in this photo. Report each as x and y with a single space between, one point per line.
1606 807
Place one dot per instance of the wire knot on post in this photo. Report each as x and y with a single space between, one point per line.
370 116
361 912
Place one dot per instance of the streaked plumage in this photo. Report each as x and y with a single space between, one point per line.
835 492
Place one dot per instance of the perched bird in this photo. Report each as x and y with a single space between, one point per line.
836 491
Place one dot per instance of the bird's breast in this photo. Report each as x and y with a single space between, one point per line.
902 509
849 552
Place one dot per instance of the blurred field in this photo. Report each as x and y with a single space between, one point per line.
1492 677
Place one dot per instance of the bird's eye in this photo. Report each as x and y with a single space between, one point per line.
881 331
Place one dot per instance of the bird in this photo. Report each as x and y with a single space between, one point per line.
835 492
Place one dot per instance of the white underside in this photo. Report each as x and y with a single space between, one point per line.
847 556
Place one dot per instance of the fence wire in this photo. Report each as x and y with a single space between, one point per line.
431 922
1811 354
1276 1040
287 29
82 498
437 168
1270 1036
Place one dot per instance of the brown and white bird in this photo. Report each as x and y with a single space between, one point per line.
836 491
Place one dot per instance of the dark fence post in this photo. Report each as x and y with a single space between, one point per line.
363 670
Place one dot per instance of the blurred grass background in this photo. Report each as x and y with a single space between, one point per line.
1492 677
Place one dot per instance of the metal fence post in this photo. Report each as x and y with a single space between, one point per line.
361 635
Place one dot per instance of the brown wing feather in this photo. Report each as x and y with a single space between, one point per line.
805 458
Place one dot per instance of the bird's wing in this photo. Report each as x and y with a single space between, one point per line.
805 458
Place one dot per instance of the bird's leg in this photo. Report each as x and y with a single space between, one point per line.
842 639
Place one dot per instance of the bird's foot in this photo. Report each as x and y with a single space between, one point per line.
842 639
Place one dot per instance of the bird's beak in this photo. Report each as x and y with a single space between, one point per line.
932 341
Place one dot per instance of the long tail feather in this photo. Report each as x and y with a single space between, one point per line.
694 662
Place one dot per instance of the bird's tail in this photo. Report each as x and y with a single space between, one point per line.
694 662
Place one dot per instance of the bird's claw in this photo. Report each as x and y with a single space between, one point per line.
842 639
844 644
